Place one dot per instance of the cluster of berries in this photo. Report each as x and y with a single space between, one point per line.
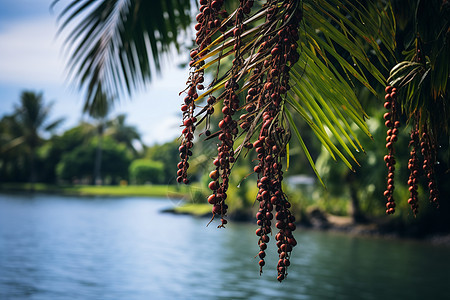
413 166
208 19
228 126
419 139
428 149
272 140
266 91
392 124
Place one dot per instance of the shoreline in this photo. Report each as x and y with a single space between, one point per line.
314 220
328 223
167 191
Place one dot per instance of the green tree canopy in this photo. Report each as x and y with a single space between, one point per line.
144 171
78 164
29 120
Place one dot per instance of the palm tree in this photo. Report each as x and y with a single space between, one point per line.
123 133
30 118
99 110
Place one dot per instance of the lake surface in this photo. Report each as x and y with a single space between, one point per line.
54 247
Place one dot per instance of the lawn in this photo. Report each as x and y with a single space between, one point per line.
90 190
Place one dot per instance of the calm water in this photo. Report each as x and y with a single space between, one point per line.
54 247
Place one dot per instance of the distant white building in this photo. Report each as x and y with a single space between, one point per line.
298 180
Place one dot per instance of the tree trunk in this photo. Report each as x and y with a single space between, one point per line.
97 180
355 209
32 169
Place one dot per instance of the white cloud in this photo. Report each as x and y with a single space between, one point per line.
166 130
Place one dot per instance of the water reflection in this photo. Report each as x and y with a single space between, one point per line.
123 248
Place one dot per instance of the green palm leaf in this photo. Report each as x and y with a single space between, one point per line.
117 45
335 39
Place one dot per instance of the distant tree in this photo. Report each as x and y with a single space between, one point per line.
99 111
28 121
77 164
58 145
124 133
12 156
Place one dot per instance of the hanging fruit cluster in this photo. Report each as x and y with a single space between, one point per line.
208 19
392 123
227 125
419 139
265 90
413 166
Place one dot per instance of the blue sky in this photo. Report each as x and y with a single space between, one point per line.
31 58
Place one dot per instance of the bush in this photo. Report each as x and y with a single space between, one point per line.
143 171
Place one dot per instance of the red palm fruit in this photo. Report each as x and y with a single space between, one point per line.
199 17
268 86
213 185
214 174
212 199
263 246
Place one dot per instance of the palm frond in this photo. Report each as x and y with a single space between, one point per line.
337 40
422 77
116 46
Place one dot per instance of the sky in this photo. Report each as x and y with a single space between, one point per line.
32 59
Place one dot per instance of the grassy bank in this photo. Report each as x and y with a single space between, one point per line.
193 209
89 190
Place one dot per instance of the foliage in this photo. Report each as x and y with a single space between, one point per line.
146 171
117 45
418 91
21 132
316 72
422 75
167 154
52 151
367 182
123 133
79 163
